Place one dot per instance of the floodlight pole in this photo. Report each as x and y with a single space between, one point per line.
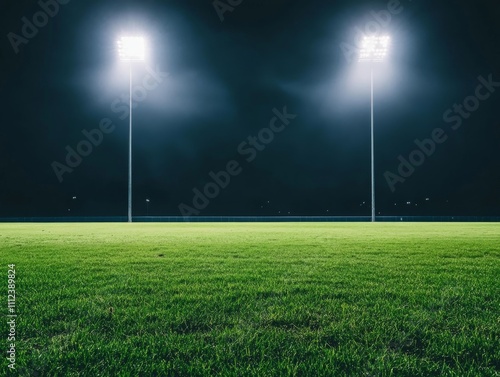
130 149
130 49
374 49
372 149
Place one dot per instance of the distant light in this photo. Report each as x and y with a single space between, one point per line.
147 200
74 197
131 48
427 199
374 49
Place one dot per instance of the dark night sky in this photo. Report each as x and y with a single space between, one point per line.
224 80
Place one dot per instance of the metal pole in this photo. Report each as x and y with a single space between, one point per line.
130 153
372 152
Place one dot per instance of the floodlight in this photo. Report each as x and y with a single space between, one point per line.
374 49
131 48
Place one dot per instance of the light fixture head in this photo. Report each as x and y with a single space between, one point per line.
132 49
374 48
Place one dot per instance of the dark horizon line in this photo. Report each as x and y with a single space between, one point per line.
216 219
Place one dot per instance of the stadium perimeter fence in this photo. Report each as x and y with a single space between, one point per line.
195 219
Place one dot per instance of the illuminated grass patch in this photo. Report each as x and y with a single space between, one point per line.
273 299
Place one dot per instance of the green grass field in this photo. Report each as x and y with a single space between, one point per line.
265 299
